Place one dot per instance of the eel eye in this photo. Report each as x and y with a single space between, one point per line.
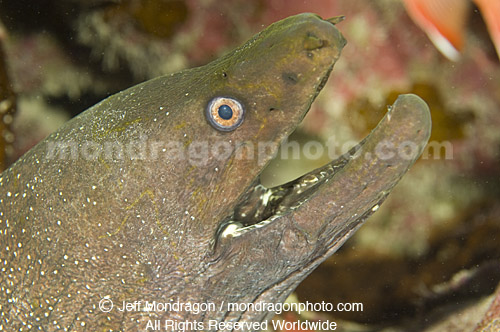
225 113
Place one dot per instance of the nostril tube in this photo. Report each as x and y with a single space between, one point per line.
336 19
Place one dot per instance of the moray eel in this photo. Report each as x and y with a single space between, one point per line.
154 194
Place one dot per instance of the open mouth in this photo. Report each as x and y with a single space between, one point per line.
259 205
381 158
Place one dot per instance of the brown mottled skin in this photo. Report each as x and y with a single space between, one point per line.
84 224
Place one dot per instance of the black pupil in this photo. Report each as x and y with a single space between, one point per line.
225 112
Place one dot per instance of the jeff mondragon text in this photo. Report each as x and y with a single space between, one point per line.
197 308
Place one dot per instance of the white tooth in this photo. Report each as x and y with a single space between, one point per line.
231 230
265 197
236 229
